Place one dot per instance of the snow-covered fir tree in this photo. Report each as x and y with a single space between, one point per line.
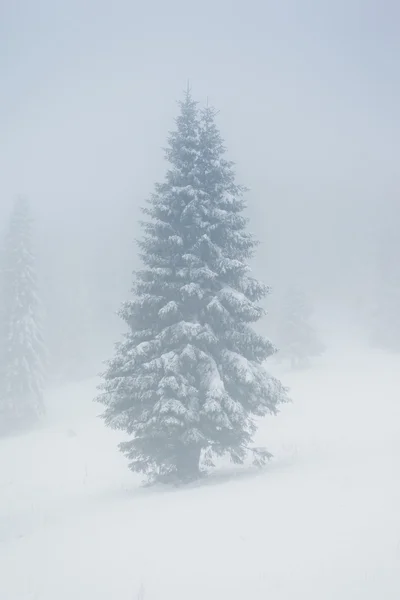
188 380
295 334
21 344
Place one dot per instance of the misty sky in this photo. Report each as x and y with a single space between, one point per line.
308 94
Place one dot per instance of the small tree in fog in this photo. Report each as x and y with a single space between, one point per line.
188 379
385 317
296 336
21 372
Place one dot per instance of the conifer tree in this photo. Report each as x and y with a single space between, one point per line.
188 380
296 336
21 362
385 317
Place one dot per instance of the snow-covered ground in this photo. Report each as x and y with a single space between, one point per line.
321 522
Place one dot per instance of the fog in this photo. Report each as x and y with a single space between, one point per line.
308 100
308 95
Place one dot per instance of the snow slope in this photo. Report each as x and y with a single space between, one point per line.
321 522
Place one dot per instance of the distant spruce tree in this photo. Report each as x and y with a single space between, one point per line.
385 318
188 379
295 333
21 344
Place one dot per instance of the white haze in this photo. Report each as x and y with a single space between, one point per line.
308 102
309 96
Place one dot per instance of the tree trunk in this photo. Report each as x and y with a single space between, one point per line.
188 463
